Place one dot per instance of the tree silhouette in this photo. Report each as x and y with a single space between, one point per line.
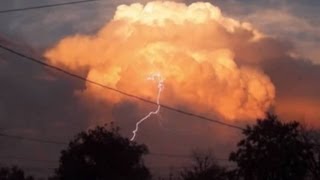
102 154
272 150
313 137
13 173
204 168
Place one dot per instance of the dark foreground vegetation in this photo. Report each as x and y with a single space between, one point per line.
270 150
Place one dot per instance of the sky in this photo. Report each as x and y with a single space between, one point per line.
232 61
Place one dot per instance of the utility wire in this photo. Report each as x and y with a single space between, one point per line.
151 154
32 139
170 155
181 156
45 6
28 159
45 141
116 90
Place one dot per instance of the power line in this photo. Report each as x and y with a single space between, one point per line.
186 166
170 155
40 62
37 169
151 154
32 139
181 156
45 6
28 159
53 161
45 141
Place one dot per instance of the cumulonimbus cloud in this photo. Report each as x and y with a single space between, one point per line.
191 46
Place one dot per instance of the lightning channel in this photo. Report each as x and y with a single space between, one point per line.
154 77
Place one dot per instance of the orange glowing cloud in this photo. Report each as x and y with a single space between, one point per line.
192 47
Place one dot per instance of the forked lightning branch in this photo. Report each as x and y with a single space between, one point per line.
160 82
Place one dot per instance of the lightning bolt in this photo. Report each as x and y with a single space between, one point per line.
155 77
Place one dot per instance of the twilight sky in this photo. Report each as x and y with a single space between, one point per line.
273 64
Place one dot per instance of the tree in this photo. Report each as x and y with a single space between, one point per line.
102 154
13 173
204 168
272 150
313 137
